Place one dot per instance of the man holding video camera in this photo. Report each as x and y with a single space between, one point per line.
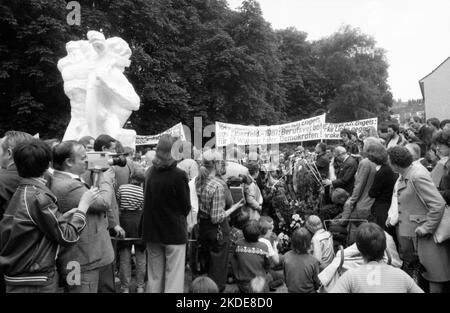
107 144
94 249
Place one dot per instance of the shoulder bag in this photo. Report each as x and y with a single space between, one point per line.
442 232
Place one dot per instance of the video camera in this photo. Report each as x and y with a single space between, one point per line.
101 161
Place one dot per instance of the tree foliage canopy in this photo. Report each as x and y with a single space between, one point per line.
190 58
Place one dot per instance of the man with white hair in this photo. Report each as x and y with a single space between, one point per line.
414 149
345 173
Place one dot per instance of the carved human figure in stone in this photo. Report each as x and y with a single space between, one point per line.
102 98
75 68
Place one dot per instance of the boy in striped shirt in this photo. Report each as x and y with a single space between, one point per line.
130 198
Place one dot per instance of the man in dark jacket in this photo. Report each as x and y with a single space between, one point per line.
9 178
345 177
94 249
32 228
349 145
322 160
164 226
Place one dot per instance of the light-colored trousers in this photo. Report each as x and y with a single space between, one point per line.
165 268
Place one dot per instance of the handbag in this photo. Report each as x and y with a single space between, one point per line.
442 232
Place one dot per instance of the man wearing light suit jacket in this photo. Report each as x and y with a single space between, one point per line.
94 249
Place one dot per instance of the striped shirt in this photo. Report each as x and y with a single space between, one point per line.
375 277
130 197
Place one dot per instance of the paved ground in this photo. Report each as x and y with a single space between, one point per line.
230 288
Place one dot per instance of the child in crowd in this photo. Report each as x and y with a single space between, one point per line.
330 211
203 284
300 268
130 198
322 241
236 234
266 229
250 257
339 232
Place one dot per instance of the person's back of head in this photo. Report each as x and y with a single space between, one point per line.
251 231
339 196
8 143
138 174
443 124
203 284
164 149
313 224
258 285
400 156
32 158
301 240
128 151
376 152
241 219
87 142
371 241
414 149
265 226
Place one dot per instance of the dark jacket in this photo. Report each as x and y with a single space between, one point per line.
345 177
323 165
381 190
9 180
94 249
351 147
383 185
166 205
30 233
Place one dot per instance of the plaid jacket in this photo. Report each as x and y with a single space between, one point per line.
212 200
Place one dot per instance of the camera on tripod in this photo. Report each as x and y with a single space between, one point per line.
101 161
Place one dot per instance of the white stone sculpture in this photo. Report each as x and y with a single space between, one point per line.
101 97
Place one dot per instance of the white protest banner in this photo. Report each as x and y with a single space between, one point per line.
175 131
304 130
332 130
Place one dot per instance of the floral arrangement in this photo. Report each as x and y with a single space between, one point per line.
284 237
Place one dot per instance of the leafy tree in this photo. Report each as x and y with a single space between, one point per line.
189 58
32 39
355 72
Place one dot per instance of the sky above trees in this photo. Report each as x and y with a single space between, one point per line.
414 33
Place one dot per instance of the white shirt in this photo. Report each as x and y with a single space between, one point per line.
269 246
393 209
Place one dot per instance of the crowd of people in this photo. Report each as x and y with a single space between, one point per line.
262 221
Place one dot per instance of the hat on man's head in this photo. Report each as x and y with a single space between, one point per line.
313 223
164 147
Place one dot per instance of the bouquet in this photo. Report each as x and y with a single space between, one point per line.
284 237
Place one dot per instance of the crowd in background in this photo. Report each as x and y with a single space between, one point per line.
68 226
